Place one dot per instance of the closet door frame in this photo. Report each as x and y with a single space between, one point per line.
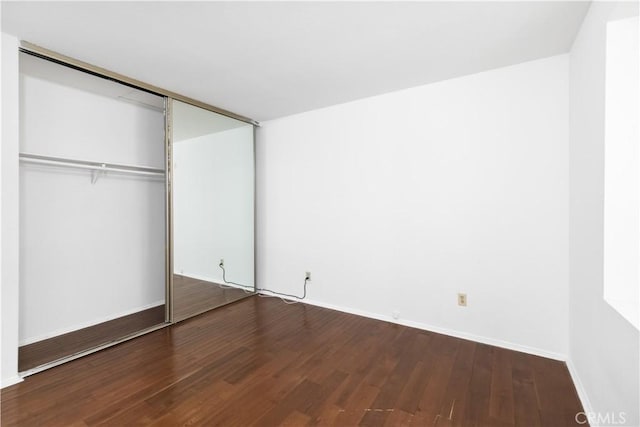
120 78
168 173
168 96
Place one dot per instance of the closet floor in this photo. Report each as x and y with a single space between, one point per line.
192 296
33 355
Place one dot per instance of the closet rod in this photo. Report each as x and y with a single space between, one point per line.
85 164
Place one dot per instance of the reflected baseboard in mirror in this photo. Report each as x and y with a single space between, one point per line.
193 296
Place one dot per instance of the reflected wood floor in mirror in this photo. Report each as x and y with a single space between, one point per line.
39 353
192 296
262 362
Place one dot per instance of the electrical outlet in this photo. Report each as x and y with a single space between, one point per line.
221 262
395 314
462 300
307 275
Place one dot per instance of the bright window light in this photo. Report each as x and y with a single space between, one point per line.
621 172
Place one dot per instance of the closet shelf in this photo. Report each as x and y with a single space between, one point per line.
90 165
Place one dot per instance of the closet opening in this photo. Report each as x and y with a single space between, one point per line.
93 216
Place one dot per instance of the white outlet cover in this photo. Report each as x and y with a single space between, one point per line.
395 314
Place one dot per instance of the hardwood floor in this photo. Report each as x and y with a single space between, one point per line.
52 349
262 362
192 296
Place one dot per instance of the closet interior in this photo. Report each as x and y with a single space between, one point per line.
92 197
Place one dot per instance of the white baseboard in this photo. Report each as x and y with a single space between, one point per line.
437 329
93 322
582 393
216 280
10 381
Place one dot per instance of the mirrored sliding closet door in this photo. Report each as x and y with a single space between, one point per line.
212 209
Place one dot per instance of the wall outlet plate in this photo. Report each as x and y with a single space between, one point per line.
462 300
307 275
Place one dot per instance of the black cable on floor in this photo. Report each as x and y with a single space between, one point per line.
304 294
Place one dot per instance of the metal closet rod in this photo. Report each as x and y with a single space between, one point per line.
90 165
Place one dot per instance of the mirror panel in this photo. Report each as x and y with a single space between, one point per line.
213 210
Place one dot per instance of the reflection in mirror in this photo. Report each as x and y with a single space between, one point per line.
213 210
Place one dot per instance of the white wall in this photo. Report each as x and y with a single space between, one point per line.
213 205
604 347
9 211
88 252
399 202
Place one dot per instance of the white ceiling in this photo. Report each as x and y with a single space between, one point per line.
271 59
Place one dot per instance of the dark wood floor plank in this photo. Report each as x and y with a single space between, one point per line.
501 406
261 362
295 419
479 391
295 400
444 350
399 418
524 393
413 348
453 409
557 397
360 402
